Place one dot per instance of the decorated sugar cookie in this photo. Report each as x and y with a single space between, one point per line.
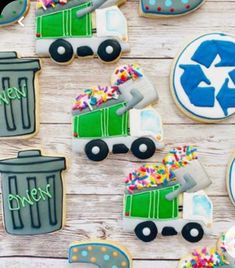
221 255
32 193
203 78
168 8
18 96
105 254
167 198
12 11
68 28
231 178
118 118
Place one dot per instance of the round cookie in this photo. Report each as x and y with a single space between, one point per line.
12 11
168 8
231 178
203 78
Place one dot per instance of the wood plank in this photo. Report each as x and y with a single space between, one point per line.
215 144
16 262
90 216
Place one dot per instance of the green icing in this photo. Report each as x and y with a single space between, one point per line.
12 94
152 204
16 201
103 122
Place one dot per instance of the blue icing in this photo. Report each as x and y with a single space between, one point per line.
168 3
203 97
114 266
106 257
84 253
184 1
152 2
232 75
226 97
208 50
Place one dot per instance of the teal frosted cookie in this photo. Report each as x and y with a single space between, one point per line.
168 8
12 11
104 254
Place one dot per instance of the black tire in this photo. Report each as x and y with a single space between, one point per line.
150 148
112 56
61 57
187 232
103 150
146 225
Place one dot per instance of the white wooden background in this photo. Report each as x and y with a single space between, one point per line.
95 191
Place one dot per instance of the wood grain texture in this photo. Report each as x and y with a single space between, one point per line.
94 192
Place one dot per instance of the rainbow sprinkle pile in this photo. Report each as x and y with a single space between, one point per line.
50 3
205 258
126 73
153 175
95 97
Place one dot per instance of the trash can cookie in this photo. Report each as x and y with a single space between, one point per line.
12 11
32 193
18 96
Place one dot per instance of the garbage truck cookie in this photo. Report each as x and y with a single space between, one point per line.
118 118
63 32
100 253
203 78
32 193
220 255
167 198
12 11
19 106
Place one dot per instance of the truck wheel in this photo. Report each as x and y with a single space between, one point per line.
61 51
146 231
193 232
96 150
143 148
109 50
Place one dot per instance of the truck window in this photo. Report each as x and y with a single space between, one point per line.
115 23
150 121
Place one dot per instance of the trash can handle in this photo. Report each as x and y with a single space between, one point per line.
29 153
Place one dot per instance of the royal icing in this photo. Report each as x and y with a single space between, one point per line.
105 254
119 116
231 179
18 96
62 33
155 194
12 11
32 192
203 80
161 8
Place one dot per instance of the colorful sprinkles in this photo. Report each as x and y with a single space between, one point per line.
50 3
153 175
125 73
95 97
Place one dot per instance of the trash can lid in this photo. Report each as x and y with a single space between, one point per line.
9 61
30 161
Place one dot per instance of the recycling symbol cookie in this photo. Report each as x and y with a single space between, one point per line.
203 78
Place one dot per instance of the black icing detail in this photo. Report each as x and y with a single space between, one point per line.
25 113
120 149
180 208
150 150
169 231
186 232
34 209
52 201
15 214
3 4
84 51
146 225
108 57
104 150
8 109
61 58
